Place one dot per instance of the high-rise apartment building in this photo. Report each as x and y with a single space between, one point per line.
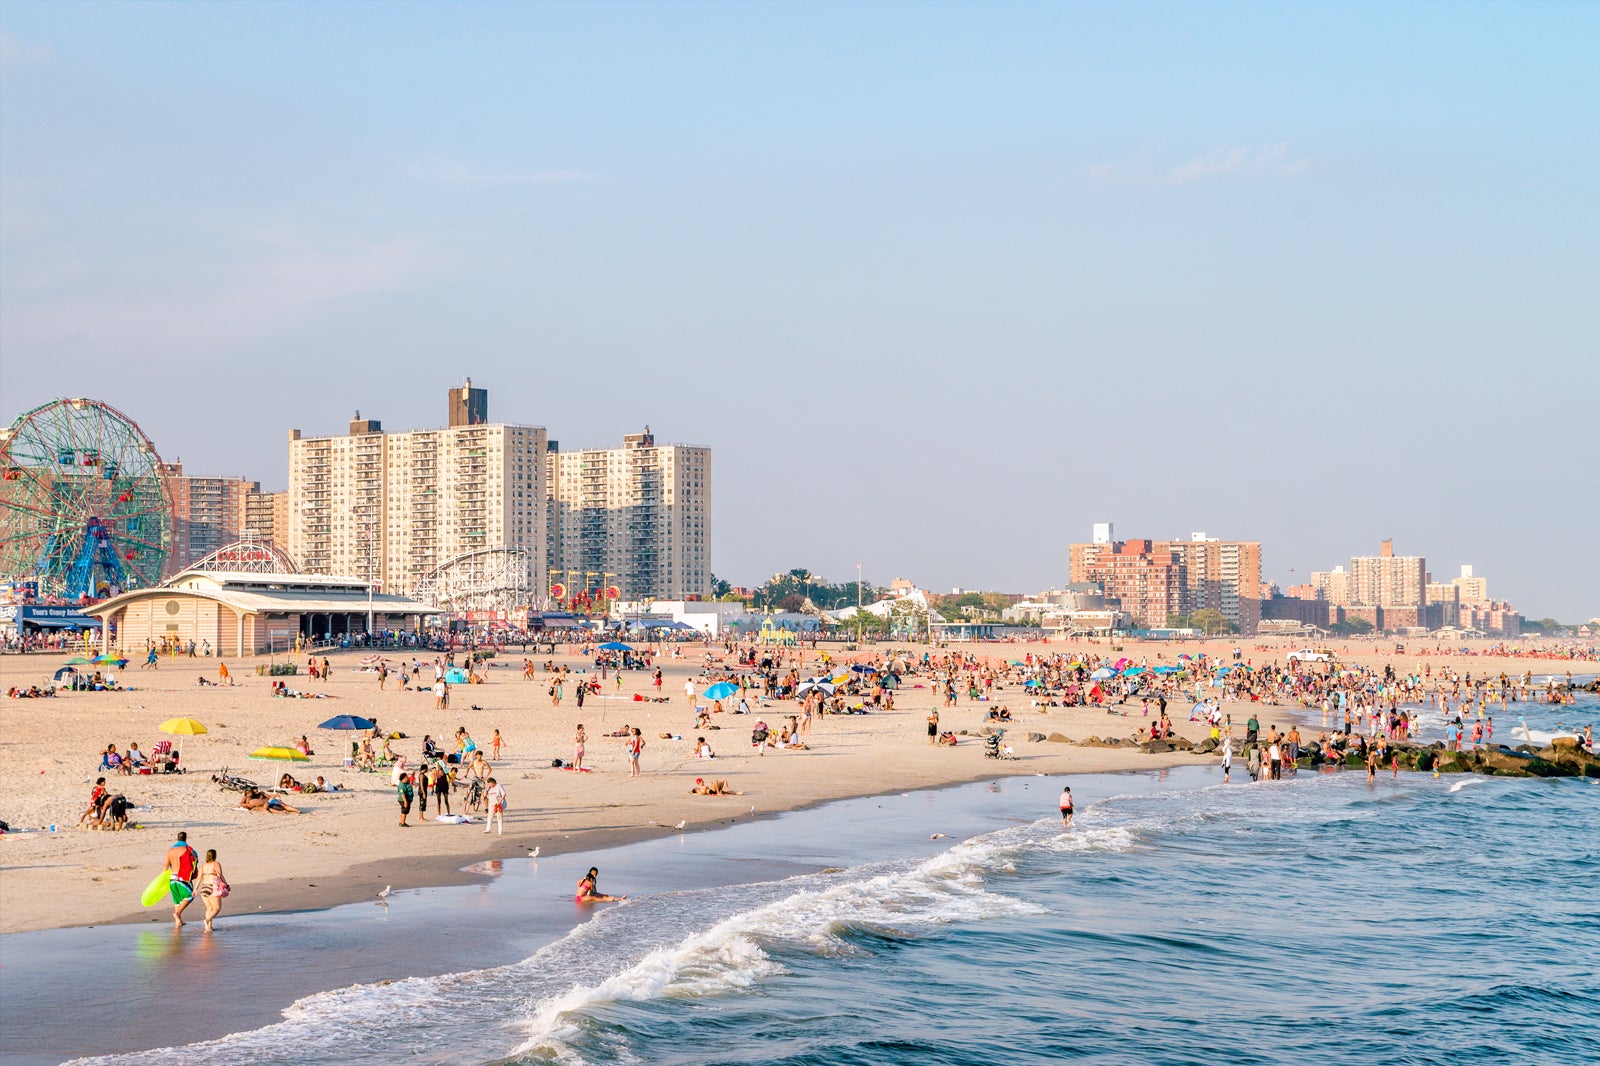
640 513
392 507
206 513
1223 575
1387 579
1155 579
1472 589
265 516
1333 586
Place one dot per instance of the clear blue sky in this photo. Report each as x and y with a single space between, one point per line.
1312 275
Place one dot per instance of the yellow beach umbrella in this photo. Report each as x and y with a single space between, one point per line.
279 754
182 727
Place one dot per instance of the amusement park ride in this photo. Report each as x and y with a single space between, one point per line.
84 510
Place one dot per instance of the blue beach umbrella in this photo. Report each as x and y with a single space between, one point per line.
615 645
347 721
721 690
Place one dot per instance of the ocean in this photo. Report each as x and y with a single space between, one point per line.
1319 919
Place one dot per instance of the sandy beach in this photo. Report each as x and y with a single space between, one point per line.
347 845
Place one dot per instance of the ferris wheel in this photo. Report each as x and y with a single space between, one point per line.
84 509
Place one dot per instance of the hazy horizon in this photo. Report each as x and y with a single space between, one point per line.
940 285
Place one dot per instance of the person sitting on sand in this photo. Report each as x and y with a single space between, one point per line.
256 800
702 719
719 787
702 750
589 889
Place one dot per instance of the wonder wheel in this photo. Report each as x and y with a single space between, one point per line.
84 509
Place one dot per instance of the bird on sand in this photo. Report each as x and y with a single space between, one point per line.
533 853
385 893
681 824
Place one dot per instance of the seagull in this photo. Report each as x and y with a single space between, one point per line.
384 895
533 853
681 824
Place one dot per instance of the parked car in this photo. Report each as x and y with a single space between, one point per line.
1311 655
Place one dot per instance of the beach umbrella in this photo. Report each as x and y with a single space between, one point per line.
347 721
279 754
182 727
1132 670
1032 682
78 660
1120 663
861 669
109 659
615 645
720 691
1101 674
814 684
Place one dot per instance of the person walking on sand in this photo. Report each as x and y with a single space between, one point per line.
635 749
1066 807
213 886
181 863
496 803
495 744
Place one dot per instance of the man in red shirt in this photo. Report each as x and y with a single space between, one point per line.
182 864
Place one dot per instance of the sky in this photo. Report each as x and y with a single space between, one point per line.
940 284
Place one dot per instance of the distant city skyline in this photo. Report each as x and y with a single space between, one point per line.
940 285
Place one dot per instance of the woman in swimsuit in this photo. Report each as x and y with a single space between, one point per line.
212 886
577 747
589 891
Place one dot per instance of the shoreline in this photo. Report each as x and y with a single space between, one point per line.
452 870
343 850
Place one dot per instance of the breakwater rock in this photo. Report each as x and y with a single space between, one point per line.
1562 758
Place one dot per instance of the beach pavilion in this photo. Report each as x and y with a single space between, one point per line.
242 613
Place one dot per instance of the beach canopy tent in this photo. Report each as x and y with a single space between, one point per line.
65 670
348 721
615 645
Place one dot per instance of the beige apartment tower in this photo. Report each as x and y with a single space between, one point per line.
641 513
392 507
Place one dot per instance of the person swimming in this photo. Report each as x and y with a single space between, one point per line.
589 889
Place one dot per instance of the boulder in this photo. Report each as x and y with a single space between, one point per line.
1505 762
1034 738
1182 744
1155 747
1565 744
1426 759
1057 738
1207 746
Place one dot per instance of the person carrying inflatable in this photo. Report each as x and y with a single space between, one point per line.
182 864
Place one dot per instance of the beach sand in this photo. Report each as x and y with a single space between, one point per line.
347 846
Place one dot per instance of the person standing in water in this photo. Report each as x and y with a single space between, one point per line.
1066 807
182 863
1227 759
213 886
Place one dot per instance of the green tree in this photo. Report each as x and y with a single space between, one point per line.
1211 621
720 588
